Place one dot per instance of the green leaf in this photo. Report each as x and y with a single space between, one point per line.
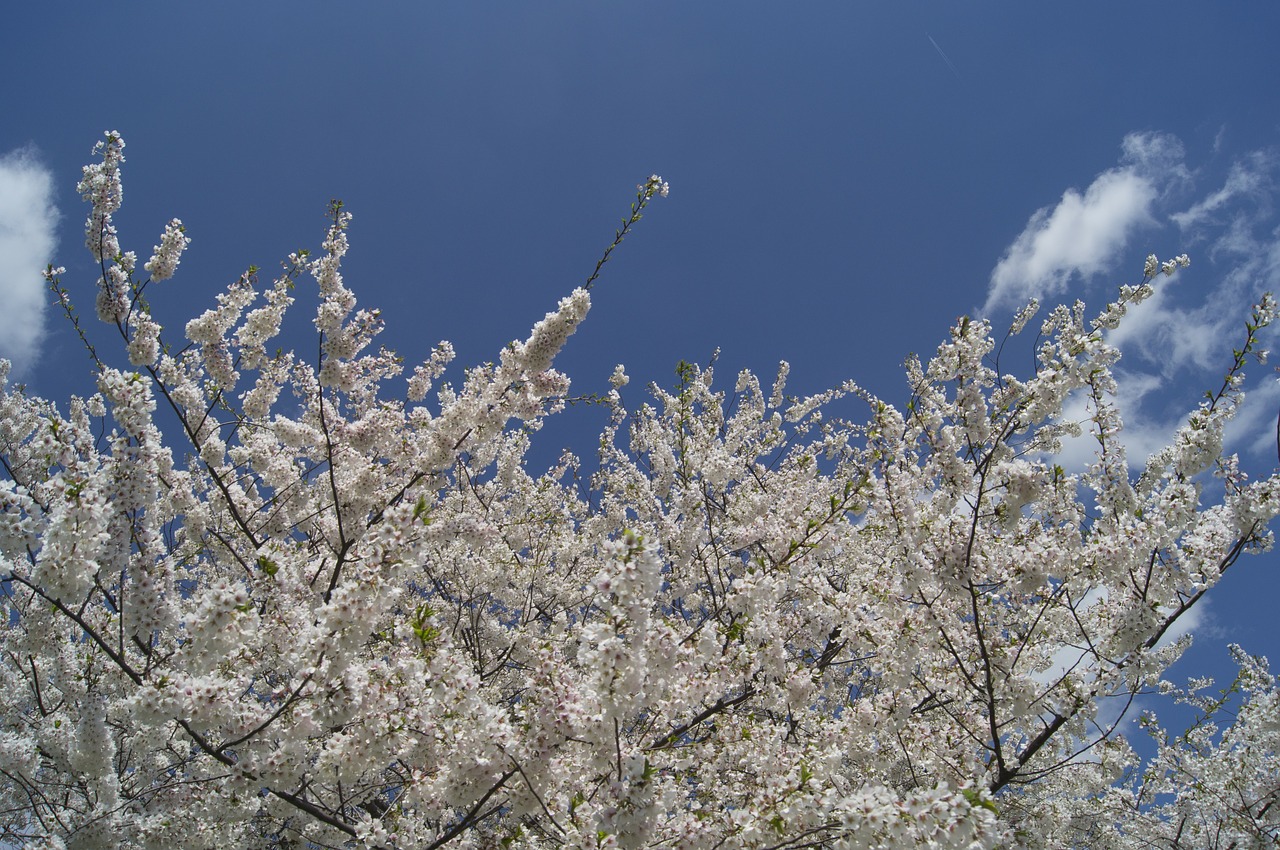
975 799
421 511
422 629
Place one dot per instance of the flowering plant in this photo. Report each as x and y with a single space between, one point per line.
355 618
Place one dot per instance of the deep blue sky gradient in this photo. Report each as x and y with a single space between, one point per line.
845 176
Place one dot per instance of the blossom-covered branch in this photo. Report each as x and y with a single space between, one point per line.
355 617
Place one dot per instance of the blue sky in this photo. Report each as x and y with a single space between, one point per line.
847 179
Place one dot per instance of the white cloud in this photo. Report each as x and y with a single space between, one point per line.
1251 432
1085 233
1254 428
1171 337
1176 344
1249 177
1197 621
1141 437
27 237
1071 658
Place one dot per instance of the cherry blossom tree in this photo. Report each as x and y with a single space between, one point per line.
331 606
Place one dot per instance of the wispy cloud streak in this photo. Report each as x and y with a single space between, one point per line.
945 58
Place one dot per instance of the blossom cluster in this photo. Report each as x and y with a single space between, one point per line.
358 619
166 256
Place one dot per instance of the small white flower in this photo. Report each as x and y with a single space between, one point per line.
654 186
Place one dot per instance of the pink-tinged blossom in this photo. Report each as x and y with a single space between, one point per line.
101 187
549 335
166 256
144 347
428 373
